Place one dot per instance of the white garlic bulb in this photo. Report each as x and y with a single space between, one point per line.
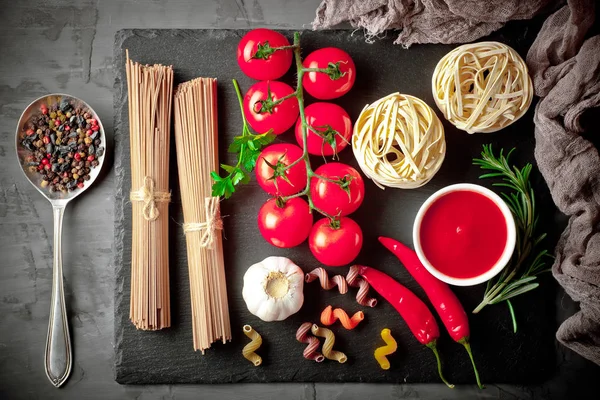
273 288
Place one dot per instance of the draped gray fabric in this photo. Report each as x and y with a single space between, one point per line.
428 21
565 67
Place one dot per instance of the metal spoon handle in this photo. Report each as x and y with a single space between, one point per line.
58 358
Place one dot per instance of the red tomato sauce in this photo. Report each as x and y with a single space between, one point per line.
463 234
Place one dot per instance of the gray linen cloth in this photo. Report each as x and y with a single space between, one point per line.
565 67
428 21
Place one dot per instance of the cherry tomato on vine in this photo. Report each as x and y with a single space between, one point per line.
333 198
328 124
258 59
264 111
271 174
285 226
336 83
335 246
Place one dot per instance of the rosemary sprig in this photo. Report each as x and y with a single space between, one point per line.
248 147
528 261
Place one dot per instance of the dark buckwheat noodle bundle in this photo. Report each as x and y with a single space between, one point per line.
196 138
150 90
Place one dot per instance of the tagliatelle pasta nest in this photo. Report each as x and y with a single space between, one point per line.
482 87
399 142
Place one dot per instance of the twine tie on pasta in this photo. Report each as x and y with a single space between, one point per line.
149 197
210 226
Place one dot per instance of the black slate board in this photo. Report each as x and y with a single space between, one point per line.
168 357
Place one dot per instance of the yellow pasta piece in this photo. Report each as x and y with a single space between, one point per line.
482 87
327 349
249 350
383 351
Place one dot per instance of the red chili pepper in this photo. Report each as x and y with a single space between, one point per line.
444 300
414 312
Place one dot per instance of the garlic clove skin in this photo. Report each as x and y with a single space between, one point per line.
273 288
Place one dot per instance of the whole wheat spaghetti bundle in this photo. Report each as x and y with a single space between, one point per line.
150 89
197 155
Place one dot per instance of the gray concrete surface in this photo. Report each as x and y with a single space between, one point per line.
67 46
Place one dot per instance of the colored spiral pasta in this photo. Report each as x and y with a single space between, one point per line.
327 283
311 351
383 351
249 350
327 349
352 279
329 316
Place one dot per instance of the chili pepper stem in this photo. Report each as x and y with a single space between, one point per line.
465 342
433 348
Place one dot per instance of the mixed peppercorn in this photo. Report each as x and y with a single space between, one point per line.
65 145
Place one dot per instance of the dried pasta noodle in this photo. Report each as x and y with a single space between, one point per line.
249 350
330 315
326 282
196 138
482 87
390 347
150 89
327 349
352 279
362 296
311 351
399 142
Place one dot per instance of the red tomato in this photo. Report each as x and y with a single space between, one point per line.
286 226
260 112
279 156
326 119
335 247
330 197
320 84
265 64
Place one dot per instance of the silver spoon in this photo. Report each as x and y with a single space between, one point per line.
58 356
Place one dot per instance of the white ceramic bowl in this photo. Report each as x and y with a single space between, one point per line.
510 239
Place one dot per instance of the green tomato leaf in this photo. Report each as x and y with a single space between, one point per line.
223 188
264 138
215 176
229 168
249 158
238 176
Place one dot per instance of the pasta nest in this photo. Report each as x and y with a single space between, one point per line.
399 142
482 87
